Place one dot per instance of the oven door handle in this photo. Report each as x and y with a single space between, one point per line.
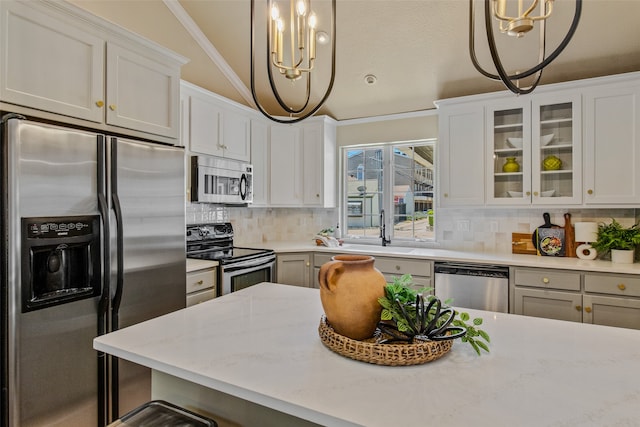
249 264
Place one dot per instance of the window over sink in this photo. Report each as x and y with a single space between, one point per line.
397 178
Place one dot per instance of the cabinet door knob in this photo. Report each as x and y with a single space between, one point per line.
112 107
535 193
100 104
446 194
578 307
528 193
587 309
589 191
308 264
622 287
545 280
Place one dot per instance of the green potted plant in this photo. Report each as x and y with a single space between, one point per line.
618 240
408 316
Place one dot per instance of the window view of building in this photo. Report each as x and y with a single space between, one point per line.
395 178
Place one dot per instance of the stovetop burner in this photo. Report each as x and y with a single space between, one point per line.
214 242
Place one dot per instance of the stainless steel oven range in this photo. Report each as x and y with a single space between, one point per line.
239 267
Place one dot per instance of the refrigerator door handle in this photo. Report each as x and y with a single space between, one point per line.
117 297
117 211
103 305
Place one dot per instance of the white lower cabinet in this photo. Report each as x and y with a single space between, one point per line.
597 298
391 267
548 304
294 268
201 286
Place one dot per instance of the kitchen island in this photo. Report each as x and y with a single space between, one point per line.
254 357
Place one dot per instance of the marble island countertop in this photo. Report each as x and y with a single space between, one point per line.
261 345
435 254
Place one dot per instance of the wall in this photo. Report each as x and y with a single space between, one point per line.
265 224
489 230
399 127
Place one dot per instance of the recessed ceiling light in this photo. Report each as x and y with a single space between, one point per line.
370 79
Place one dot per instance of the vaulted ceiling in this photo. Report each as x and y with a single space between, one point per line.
418 50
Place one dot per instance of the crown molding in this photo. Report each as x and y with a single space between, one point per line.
194 30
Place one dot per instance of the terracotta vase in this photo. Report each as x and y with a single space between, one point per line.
349 290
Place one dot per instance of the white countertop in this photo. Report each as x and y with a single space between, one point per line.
200 264
518 260
261 344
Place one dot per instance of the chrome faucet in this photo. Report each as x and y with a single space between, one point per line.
383 229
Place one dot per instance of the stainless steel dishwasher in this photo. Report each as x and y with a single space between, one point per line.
475 286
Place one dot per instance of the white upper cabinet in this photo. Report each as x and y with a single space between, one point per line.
319 162
612 144
59 59
50 63
534 150
216 126
285 166
461 155
142 92
302 163
567 144
260 161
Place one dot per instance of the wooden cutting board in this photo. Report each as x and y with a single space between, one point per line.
521 243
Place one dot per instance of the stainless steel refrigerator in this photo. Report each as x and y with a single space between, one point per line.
92 241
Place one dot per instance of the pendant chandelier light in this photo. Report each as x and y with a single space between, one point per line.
294 30
518 26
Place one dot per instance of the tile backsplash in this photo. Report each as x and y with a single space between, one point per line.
476 230
265 224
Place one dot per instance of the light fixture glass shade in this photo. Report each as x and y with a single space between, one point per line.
518 24
291 54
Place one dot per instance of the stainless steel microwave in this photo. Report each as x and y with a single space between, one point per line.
221 181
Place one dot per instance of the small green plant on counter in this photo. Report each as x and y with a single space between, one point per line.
326 231
407 316
615 236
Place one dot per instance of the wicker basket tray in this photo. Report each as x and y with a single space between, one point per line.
382 354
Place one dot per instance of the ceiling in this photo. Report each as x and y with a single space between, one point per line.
418 50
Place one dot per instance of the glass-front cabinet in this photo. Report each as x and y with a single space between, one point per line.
534 151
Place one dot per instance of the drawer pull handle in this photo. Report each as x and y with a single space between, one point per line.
397 268
622 287
578 307
199 282
587 309
545 280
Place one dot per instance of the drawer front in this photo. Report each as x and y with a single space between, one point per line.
622 284
201 280
399 266
548 279
198 297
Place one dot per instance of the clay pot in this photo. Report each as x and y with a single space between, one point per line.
349 290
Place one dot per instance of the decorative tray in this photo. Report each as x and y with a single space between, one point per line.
382 354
